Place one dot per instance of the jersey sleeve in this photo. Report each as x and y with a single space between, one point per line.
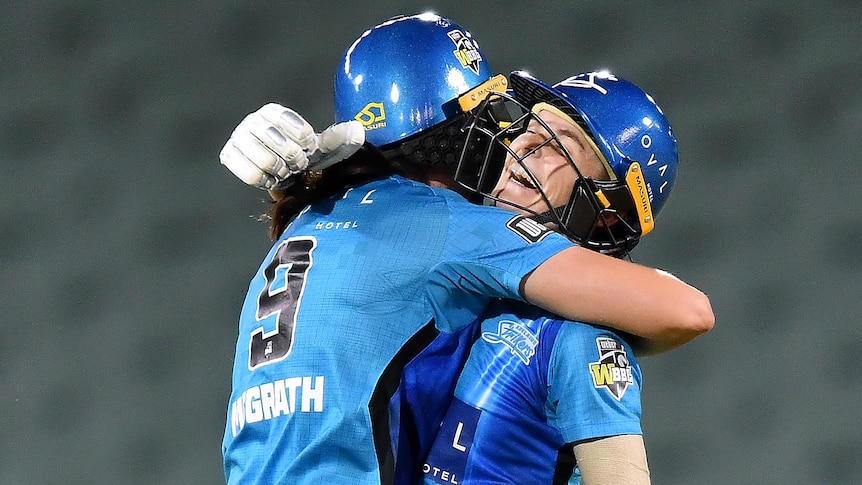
594 384
487 253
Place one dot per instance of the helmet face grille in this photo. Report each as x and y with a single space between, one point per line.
599 215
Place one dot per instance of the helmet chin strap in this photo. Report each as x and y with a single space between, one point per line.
541 218
546 217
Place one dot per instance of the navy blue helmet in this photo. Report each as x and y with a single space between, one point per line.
629 133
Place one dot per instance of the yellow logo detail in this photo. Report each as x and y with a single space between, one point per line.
463 58
467 51
638 189
372 116
473 97
603 374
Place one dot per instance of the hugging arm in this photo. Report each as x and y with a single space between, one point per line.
580 284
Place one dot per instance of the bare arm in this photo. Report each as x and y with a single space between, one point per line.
614 460
580 284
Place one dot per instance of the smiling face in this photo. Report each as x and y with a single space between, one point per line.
543 156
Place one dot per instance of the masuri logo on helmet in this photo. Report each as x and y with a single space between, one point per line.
372 116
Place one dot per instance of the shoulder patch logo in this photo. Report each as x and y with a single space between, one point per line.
520 340
613 371
530 230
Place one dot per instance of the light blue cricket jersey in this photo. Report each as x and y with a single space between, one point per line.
531 387
365 294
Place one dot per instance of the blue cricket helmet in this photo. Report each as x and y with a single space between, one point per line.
628 132
405 75
624 121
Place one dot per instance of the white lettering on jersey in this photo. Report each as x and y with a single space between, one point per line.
455 444
445 475
367 199
273 399
325 226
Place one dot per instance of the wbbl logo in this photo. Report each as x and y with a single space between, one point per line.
612 371
466 50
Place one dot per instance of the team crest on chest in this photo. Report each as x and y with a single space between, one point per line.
516 336
613 371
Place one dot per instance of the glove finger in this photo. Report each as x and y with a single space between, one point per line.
289 125
337 143
257 153
293 156
235 161
270 137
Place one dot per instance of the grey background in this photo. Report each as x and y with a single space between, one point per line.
125 248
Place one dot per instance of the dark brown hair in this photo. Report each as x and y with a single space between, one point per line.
365 165
430 155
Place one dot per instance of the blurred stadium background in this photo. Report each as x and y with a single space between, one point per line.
125 248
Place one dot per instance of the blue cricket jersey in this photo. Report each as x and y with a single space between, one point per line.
355 326
532 387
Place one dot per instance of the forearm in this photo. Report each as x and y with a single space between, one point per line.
583 285
615 460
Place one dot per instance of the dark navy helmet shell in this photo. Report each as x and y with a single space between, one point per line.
623 120
404 76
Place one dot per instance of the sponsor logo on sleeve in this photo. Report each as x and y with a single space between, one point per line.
530 230
613 371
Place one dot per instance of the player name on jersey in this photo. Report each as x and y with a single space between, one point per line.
278 398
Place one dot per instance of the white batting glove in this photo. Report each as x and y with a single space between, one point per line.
274 142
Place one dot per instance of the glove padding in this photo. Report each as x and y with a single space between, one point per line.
274 143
